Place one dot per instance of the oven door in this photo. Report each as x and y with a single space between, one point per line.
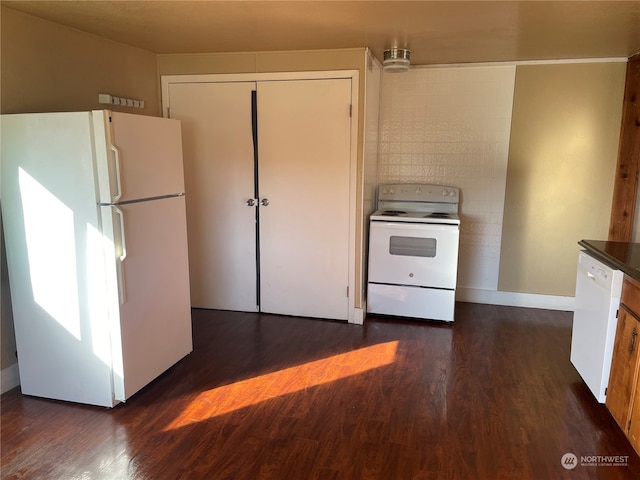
420 254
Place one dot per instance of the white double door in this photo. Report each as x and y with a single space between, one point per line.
267 171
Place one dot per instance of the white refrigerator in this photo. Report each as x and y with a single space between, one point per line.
93 209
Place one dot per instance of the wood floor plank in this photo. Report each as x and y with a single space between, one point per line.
271 397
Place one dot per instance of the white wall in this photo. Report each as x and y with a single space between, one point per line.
451 126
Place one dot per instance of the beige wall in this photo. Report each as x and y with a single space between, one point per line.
262 62
47 67
291 61
562 161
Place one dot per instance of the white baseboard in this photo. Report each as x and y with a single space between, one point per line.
515 299
10 378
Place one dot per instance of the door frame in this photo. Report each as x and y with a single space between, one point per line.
354 315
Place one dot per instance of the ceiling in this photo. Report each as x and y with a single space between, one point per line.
437 32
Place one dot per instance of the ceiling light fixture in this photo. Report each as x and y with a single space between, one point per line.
396 60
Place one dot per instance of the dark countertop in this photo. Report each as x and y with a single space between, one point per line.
621 255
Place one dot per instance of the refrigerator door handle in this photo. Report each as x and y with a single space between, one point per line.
122 255
116 159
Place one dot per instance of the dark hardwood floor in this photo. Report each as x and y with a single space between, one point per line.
492 396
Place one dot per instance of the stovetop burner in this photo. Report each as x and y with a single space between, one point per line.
400 213
414 216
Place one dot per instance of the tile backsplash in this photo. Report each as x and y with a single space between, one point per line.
451 126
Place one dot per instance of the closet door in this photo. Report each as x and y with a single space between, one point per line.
304 156
219 181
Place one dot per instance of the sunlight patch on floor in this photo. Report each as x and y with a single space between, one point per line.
245 393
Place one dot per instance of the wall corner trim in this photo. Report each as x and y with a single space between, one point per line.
625 189
358 316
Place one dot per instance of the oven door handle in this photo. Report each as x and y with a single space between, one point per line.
414 226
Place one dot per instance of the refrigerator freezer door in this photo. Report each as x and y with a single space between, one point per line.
151 314
137 156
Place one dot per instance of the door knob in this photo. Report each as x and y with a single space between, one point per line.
251 202
264 202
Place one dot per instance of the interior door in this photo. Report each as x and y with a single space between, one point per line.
304 143
219 177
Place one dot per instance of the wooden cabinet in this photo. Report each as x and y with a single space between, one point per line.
634 420
623 368
623 394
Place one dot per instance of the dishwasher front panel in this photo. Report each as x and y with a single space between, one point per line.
598 289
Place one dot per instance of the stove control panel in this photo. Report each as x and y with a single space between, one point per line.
419 192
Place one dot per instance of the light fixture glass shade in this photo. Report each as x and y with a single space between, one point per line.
396 60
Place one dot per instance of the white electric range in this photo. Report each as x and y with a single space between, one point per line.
413 251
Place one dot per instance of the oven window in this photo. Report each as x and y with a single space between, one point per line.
412 246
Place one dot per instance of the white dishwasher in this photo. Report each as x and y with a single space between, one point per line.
598 288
